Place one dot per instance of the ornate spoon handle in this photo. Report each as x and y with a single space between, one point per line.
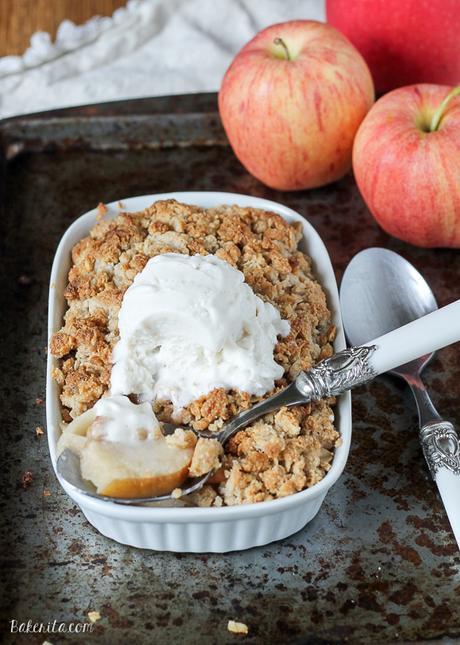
357 365
330 377
337 374
441 448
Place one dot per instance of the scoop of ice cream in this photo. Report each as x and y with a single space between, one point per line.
189 324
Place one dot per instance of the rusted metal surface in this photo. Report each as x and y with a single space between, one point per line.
377 564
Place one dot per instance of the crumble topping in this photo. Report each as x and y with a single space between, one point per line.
206 457
181 438
279 454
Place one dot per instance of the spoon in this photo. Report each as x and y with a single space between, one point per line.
331 377
381 291
68 463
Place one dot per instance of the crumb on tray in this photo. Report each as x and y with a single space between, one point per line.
24 280
39 432
237 628
26 479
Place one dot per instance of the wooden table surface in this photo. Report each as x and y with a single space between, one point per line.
19 19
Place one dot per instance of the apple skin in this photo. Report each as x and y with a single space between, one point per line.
402 41
291 123
408 177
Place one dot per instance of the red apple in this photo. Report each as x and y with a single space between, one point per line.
406 160
291 103
402 41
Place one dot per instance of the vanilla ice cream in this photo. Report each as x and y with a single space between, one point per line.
120 420
189 324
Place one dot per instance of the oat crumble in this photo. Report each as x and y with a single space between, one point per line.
280 453
206 457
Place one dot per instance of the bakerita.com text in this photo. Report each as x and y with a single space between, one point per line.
52 627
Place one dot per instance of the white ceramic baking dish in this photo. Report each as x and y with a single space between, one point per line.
199 529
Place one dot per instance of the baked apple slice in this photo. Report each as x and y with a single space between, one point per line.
149 468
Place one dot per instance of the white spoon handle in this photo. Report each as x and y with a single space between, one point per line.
441 448
449 489
358 365
420 337
440 443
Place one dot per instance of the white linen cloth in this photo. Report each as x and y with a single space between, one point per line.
147 48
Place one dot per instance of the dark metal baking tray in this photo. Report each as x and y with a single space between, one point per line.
378 563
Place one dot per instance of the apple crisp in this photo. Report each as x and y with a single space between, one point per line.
280 453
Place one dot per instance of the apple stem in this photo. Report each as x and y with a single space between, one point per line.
437 116
280 41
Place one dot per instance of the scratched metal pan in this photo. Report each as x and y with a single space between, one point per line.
377 564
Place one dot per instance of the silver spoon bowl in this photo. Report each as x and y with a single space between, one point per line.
381 291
